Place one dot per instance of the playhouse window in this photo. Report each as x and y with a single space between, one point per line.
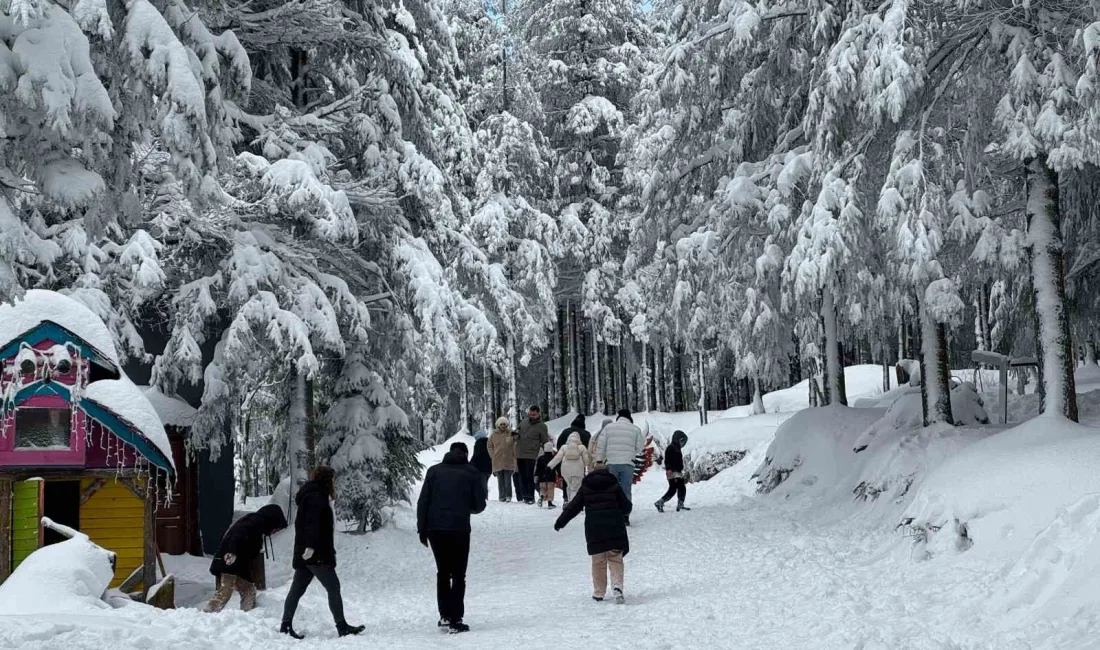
42 428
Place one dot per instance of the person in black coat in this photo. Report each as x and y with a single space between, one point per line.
605 510
546 476
315 551
481 459
674 472
453 491
234 562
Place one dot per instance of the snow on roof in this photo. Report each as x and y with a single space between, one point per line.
127 401
38 306
172 410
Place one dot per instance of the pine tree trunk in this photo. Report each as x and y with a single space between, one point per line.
563 359
311 428
1090 352
677 380
935 373
834 368
576 361
660 382
511 403
597 370
608 379
702 389
1048 274
297 432
757 397
583 368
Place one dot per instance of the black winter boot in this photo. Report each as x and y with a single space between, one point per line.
660 504
288 629
458 627
343 629
680 506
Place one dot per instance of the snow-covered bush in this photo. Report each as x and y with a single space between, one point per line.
814 445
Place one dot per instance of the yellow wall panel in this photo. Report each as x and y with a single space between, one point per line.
114 518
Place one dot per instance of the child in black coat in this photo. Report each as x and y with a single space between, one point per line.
605 510
546 476
674 472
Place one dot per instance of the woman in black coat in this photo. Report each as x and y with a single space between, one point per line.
315 551
605 510
236 557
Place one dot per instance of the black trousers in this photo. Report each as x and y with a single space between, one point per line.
526 467
676 487
326 575
452 553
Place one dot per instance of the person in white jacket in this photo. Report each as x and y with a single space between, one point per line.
574 459
618 444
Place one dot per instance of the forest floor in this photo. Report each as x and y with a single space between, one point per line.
736 572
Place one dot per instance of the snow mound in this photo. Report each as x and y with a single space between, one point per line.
1001 492
434 455
64 578
719 445
38 306
127 401
172 410
1060 564
861 383
812 446
906 412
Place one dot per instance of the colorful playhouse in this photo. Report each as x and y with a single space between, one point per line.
79 443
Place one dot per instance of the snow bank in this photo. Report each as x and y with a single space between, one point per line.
1001 492
814 446
64 578
127 401
172 411
434 455
38 305
861 382
723 443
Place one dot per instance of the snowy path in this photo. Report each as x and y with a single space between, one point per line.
740 575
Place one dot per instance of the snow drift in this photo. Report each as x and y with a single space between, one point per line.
68 577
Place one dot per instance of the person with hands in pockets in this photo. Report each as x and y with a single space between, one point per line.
453 490
315 551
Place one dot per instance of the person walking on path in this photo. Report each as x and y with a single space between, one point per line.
573 459
674 472
237 553
594 442
481 460
577 427
452 492
605 509
502 451
618 444
547 476
315 551
530 437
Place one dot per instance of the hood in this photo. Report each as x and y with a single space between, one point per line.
606 422
502 424
311 487
574 438
578 422
481 433
273 517
601 479
455 458
548 448
679 438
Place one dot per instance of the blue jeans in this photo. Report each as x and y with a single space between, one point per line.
625 475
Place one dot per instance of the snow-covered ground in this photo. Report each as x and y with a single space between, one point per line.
973 537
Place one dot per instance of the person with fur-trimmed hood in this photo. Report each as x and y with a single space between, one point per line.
674 472
573 459
241 545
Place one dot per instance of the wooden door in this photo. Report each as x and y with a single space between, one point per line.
26 520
